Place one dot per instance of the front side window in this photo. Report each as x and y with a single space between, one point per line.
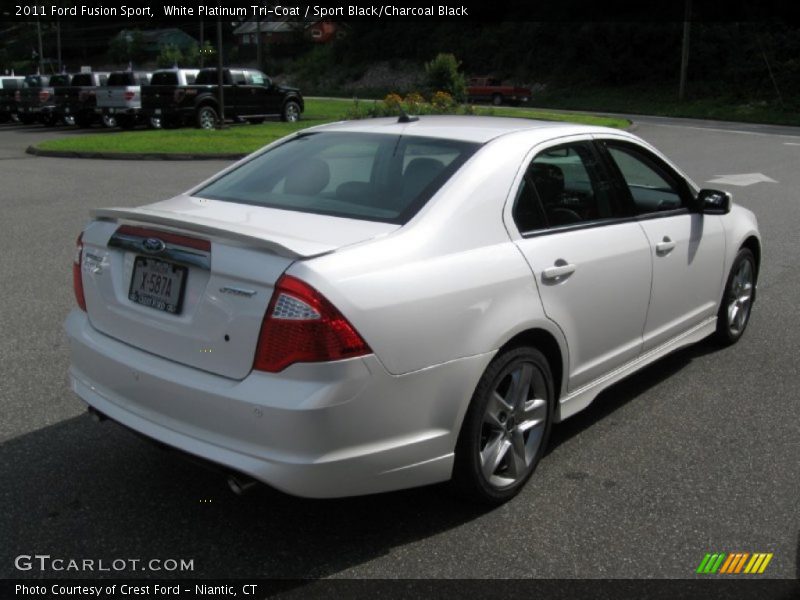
378 177
564 186
256 78
652 188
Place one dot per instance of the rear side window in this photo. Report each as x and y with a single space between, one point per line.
565 185
209 77
164 78
377 177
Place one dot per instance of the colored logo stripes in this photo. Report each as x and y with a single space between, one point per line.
734 563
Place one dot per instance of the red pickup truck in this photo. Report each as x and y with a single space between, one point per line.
489 89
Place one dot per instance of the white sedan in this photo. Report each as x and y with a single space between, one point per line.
380 304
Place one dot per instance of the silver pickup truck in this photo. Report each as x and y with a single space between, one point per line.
120 102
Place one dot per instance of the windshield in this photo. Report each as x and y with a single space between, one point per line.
376 177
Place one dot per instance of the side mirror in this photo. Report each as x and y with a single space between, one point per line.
714 202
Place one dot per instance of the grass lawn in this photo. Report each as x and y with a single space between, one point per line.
245 138
664 102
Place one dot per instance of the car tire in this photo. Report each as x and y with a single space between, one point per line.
290 112
206 117
737 300
497 99
69 120
109 121
49 120
506 428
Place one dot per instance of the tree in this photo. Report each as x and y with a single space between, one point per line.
170 56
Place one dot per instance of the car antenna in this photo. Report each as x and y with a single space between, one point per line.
406 118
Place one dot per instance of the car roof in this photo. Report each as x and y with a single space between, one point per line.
464 128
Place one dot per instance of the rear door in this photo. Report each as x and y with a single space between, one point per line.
687 247
591 261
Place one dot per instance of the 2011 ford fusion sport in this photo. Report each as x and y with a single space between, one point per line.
368 306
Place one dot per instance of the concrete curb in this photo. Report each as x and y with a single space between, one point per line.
131 155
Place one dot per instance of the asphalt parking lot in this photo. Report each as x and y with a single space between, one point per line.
698 453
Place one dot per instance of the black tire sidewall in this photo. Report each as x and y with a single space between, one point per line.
467 474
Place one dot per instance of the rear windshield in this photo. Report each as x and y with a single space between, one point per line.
82 79
59 80
164 78
128 78
375 177
121 79
34 81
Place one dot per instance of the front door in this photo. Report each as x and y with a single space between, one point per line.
687 247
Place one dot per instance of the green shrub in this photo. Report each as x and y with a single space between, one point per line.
442 74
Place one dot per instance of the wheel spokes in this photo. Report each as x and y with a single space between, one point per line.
493 455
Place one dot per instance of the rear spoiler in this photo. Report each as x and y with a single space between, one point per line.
250 236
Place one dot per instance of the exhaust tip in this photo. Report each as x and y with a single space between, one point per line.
96 415
240 485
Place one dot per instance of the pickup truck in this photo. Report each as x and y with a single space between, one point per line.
248 93
165 90
35 101
120 102
490 89
8 86
76 104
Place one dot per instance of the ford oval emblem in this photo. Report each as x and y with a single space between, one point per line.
153 245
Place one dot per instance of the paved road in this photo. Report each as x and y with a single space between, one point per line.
698 453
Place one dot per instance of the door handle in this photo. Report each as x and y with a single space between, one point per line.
665 246
558 271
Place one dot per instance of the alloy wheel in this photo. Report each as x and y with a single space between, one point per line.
740 298
513 427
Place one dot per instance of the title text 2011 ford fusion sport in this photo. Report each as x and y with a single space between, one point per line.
374 305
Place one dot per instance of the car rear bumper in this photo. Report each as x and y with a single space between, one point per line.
316 430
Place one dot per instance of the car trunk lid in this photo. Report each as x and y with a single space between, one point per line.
220 262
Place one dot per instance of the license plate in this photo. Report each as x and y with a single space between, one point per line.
112 110
158 111
157 284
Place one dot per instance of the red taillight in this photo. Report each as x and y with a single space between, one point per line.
17 96
44 95
129 96
77 280
301 325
